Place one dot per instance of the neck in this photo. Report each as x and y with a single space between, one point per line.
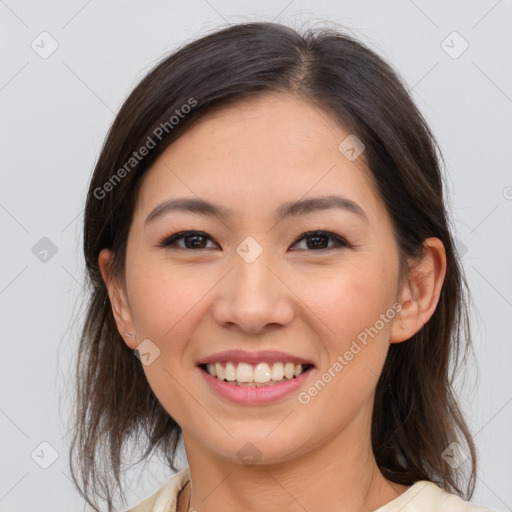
341 474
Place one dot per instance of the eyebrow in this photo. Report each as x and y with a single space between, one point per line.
291 209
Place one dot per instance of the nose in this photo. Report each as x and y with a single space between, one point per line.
253 298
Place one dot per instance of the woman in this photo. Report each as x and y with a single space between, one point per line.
265 231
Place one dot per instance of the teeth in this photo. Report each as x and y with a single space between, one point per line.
212 370
220 371
277 371
245 374
289 370
230 372
262 373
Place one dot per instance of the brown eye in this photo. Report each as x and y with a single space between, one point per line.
195 240
191 240
319 240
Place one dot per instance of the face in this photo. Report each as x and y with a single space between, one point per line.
256 281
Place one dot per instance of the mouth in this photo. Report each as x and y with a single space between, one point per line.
261 374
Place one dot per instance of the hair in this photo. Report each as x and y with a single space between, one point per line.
416 414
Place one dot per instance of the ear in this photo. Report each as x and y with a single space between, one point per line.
119 301
419 296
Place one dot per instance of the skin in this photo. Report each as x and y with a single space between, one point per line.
252 157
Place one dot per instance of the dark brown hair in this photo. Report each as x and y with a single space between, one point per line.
416 415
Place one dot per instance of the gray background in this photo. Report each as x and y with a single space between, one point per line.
56 111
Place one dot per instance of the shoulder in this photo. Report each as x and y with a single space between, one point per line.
425 496
164 500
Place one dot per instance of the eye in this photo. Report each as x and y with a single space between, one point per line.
314 240
319 240
191 239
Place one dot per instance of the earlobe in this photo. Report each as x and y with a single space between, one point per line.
420 295
118 300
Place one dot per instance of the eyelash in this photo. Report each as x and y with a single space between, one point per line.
169 241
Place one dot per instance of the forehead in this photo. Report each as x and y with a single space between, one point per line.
259 152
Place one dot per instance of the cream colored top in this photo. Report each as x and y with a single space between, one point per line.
422 496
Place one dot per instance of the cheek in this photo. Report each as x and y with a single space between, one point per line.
169 303
168 300
167 306
349 302
352 306
162 297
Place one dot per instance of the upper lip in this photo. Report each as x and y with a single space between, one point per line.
242 356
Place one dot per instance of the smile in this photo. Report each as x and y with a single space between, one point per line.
255 375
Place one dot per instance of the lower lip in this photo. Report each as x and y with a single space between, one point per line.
255 395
